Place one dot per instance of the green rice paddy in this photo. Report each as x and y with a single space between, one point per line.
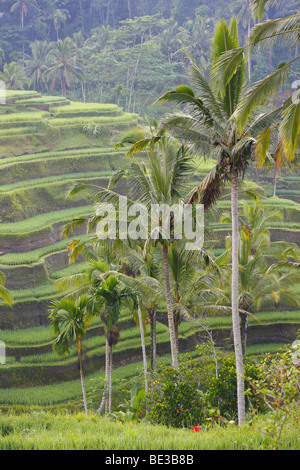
44 147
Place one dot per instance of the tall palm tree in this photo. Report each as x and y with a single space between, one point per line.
60 17
69 321
145 264
23 7
36 64
160 180
207 126
64 65
108 297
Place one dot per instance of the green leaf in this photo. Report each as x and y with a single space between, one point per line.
225 68
289 130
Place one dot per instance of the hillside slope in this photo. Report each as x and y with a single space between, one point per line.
46 143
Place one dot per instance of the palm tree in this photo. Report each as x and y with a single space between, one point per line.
145 264
208 127
23 6
265 279
64 66
69 321
14 76
60 17
160 180
36 64
108 297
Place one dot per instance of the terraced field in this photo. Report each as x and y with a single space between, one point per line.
43 149
46 144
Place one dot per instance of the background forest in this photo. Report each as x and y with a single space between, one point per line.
126 52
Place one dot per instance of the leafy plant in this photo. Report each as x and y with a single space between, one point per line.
134 409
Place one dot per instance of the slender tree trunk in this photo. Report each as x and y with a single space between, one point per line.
235 300
105 391
143 345
82 17
129 9
275 180
81 377
110 379
83 88
249 50
174 351
176 326
22 25
244 332
152 317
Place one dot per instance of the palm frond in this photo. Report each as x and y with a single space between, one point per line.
209 191
263 121
188 128
131 138
288 26
225 68
183 96
289 130
258 93
205 92
262 146
74 189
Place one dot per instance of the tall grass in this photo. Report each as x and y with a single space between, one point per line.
40 430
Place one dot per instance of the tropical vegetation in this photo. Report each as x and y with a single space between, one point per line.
149 108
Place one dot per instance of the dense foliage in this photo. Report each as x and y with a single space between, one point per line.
127 53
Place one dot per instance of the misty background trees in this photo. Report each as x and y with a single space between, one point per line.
123 52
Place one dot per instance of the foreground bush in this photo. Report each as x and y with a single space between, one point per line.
179 398
197 395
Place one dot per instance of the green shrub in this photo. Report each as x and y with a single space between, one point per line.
223 389
179 398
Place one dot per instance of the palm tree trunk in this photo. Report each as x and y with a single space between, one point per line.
235 300
244 331
143 346
110 379
152 315
82 18
81 377
105 391
176 326
275 180
174 350
249 50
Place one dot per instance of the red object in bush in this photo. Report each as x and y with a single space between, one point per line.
196 428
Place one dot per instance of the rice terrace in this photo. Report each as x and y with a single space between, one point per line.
129 344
